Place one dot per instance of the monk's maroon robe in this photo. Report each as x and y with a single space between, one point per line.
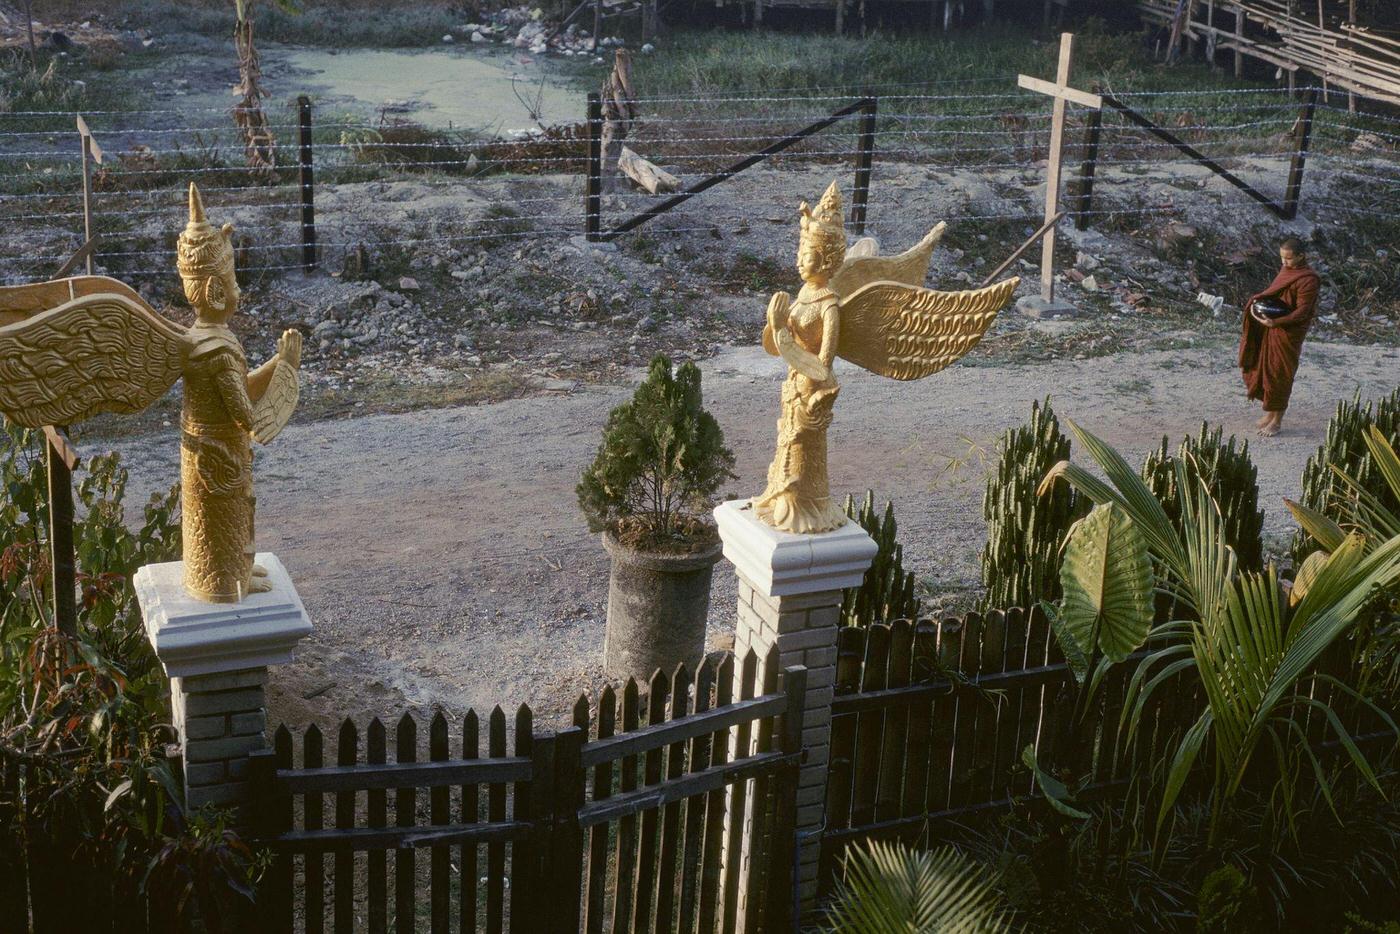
1269 356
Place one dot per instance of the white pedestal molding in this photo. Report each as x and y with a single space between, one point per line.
790 589
217 656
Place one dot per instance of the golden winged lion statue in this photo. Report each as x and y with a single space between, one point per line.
72 348
872 311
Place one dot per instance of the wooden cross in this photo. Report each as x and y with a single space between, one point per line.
1062 94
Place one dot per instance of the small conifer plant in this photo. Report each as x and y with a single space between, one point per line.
661 461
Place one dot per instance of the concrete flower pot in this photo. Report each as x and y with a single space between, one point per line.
657 608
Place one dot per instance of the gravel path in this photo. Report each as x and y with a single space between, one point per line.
443 559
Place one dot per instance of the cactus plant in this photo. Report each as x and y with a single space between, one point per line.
1345 448
887 593
1233 482
1021 560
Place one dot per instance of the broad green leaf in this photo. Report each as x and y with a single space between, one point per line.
1107 581
1328 533
1387 461
1305 576
1051 787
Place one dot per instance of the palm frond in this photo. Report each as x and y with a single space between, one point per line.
893 889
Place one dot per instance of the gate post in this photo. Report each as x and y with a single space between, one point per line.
217 656
561 881
790 592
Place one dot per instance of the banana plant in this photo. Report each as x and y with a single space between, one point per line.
1255 658
891 888
258 142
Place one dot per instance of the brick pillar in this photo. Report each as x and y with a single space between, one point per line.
790 589
217 656
220 718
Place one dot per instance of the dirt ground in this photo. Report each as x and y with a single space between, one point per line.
423 498
443 560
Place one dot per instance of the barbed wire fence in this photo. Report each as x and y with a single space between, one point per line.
972 155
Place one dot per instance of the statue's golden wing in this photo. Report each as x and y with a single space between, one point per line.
18 302
272 412
908 333
908 268
97 353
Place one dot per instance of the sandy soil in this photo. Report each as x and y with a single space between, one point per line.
444 561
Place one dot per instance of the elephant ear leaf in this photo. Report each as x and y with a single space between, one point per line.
1106 577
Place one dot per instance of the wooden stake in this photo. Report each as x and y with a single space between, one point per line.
91 153
1239 40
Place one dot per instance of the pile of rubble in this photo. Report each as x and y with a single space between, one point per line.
525 27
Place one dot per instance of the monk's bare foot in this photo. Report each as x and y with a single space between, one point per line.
1272 426
1264 420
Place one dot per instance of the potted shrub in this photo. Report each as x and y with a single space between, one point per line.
648 493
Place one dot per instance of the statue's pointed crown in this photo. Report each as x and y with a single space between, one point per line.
826 222
203 250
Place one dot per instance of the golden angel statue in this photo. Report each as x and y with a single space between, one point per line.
872 311
72 348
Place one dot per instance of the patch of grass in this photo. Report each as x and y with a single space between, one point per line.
382 394
65 85
335 25
142 169
406 146
703 62
501 223
753 273
1138 386
554 149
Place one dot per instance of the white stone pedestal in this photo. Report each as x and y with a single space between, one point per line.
790 590
1033 306
216 655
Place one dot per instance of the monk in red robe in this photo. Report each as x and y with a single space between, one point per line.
1269 347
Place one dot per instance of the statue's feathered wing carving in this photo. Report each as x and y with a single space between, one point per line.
98 353
272 412
908 268
904 332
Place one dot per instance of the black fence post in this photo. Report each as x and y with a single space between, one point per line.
1302 140
1085 202
593 200
865 154
308 187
